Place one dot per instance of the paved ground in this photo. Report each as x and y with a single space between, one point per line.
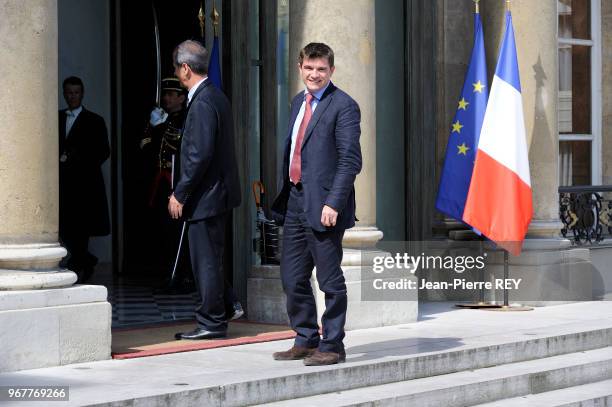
440 328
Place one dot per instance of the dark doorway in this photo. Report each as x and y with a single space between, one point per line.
142 242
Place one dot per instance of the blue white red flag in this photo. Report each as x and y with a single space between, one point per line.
499 201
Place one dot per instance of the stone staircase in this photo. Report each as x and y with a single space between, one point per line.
583 377
565 370
552 356
570 368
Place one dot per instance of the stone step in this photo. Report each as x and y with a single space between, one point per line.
364 374
597 394
444 342
472 387
266 386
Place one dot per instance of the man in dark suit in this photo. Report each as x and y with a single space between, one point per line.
83 147
317 204
208 187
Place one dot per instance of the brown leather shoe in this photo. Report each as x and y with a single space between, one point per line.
295 353
325 358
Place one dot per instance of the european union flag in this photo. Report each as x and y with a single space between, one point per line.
214 66
465 131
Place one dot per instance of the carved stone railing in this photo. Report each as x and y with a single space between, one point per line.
586 213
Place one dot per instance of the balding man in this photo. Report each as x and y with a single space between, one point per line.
208 187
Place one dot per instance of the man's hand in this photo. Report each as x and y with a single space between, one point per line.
175 208
158 116
329 216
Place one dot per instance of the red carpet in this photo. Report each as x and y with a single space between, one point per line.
159 340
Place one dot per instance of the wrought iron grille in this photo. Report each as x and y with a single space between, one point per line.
586 213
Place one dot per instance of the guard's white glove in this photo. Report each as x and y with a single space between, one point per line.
158 116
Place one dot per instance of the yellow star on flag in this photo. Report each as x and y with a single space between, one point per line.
478 86
463 149
463 104
457 127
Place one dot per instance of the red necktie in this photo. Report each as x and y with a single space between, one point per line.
295 172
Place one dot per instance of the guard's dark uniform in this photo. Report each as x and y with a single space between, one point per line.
160 149
160 144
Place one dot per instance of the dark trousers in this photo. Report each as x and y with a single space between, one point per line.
206 246
303 249
76 242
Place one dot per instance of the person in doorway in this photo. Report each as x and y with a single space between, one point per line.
208 187
162 141
160 148
316 203
83 148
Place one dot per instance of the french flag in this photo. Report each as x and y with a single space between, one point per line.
499 200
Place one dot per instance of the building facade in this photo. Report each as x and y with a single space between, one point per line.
402 60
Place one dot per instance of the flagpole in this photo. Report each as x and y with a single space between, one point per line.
482 303
481 274
202 19
506 275
507 306
214 15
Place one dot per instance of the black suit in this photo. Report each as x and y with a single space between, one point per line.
82 195
208 188
330 161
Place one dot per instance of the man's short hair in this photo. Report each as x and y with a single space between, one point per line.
73 80
193 54
317 50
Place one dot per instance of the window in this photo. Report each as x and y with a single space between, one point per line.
579 92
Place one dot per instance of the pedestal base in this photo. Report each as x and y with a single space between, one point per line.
266 301
362 313
42 328
548 272
33 267
36 280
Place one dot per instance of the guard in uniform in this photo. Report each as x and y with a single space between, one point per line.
160 149
162 141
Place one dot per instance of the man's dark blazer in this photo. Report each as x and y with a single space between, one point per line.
209 184
331 159
83 203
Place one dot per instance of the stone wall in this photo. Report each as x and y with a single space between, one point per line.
606 32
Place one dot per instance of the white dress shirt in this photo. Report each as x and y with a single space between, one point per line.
193 89
71 116
298 120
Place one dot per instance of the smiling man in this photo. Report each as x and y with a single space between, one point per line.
317 204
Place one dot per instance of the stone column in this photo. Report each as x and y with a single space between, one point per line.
45 320
29 248
535 27
551 270
350 33
606 91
